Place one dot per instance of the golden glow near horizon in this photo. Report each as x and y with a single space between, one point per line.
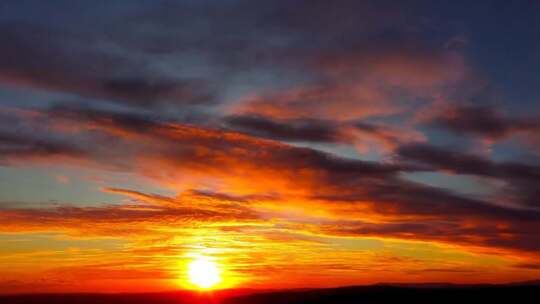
204 273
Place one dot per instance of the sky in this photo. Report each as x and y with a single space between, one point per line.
290 143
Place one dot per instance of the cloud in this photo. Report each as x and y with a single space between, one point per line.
147 92
521 178
484 121
132 218
377 77
61 61
474 234
363 135
303 130
530 266
463 163
14 146
325 101
385 136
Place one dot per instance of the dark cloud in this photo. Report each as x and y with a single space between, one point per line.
19 145
522 179
480 234
463 163
395 197
144 92
129 121
303 130
483 121
319 131
61 61
531 266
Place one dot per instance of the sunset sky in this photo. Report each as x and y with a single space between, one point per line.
286 143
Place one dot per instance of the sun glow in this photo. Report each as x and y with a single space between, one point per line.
204 273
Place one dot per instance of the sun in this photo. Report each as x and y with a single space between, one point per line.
204 273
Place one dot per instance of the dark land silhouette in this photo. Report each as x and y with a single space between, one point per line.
383 293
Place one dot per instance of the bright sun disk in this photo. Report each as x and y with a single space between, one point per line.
203 273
